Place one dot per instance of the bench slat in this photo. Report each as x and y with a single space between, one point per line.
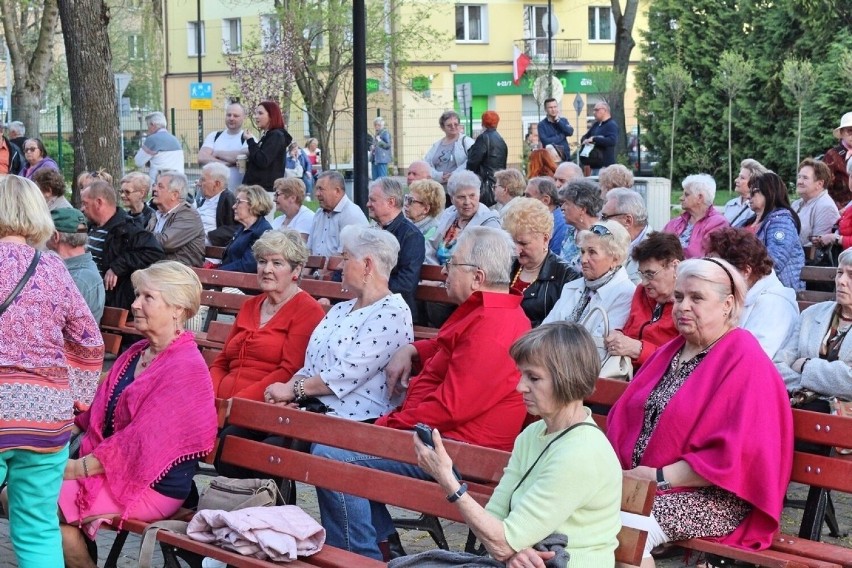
231 558
326 289
811 549
631 546
222 278
766 558
822 471
223 300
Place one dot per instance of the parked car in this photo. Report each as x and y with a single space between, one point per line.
643 161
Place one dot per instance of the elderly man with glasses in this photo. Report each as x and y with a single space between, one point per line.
628 208
600 140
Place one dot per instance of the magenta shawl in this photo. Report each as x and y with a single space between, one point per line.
731 421
165 416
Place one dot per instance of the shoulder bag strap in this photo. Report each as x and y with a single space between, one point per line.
547 447
24 279
149 539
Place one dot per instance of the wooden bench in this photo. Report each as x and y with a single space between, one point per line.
821 473
481 466
820 277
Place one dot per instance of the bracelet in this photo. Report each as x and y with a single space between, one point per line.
453 497
299 389
296 390
85 467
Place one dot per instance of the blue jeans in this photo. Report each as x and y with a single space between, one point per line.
34 481
380 171
354 523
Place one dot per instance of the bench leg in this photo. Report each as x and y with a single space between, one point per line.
472 546
428 523
172 553
115 550
834 530
812 518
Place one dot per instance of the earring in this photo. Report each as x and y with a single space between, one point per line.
177 327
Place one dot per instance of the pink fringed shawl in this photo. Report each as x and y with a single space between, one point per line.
166 416
731 421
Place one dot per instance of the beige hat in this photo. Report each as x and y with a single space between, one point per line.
845 122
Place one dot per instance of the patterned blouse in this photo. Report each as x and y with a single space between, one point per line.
350 348
686 512
51 352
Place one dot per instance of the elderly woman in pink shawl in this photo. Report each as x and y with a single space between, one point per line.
142 440
688 422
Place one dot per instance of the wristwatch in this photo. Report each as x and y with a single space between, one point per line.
662 484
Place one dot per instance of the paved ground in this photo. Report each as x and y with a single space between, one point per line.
415 541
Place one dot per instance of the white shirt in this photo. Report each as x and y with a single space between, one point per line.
302 222
207 210
228 142
350 349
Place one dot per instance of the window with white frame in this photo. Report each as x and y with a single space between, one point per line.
471 23
270 30
232 40
192 47
601 24
135 47
535 31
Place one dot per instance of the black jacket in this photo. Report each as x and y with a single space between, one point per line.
412 254
226 225
606 137
488 154
16 157
266 158
541 295
143 217
127 248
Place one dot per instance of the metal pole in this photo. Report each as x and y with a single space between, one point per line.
359 85
549 48
59 136
198 43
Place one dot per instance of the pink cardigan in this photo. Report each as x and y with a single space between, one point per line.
710 222
731 421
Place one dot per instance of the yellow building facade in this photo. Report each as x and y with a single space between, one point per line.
475 46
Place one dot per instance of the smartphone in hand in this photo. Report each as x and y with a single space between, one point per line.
424 432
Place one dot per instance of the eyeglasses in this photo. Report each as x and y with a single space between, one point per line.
600 230
243 201
279 194
753 191
409 199
605 217
446 267
648 275
30 149
452 124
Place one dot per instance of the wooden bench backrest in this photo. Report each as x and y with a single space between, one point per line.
218 331
472 461
326 289
828 472
818 274
113 318
213 278
315 262
223 300
214 252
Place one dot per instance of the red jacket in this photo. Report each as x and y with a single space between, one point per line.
254 357
466 388
639 325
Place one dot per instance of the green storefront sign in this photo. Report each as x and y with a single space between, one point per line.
373 85
485 84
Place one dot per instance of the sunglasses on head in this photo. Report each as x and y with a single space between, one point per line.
600 230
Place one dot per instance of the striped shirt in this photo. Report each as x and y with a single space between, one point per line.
97 241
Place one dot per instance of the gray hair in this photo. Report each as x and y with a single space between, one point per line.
463 179
391 188
720 277
379 120
845 258
178 284
545 186
616 243
335 177
177 182
630 202
156 118
491 250
218 171
447 115
17 126
137 180
704 184
585 194
73 239
571 169
754 167
377 244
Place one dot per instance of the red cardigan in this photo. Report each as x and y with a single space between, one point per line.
254 357
653 334
466 388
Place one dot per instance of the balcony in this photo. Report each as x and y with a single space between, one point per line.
564 50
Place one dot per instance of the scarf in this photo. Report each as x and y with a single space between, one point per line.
591 286
155 427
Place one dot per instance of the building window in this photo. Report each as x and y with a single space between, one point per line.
270 31
232 41
535 28
471 21
601 24
192 39
135 47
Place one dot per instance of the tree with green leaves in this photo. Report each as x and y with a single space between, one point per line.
732 78
799 79
29 28
673 80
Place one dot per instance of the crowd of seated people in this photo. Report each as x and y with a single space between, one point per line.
707 312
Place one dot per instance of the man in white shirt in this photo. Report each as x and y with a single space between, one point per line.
223 146
161 149
817 211
216 204
337 211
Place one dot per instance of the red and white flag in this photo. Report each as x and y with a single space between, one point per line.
519 65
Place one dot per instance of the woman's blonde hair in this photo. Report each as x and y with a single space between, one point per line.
178 284
291 187
287 243
23 211
432 194
259 202
567 352
528 214
512 181
615 240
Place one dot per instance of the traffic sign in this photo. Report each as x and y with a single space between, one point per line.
201 104
464 96
201 90
578 104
